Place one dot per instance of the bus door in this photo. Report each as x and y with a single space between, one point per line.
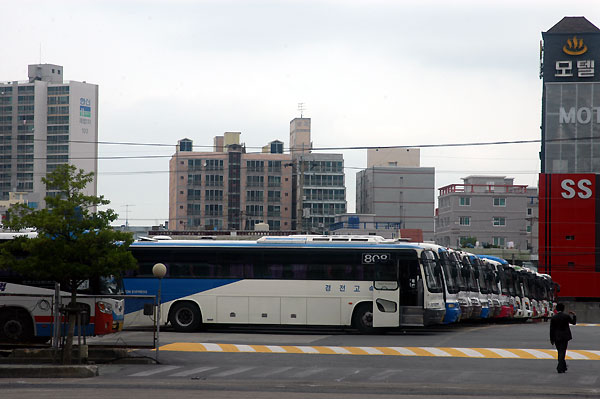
386 292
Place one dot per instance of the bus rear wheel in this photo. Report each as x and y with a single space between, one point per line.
185 317
15 326
362 319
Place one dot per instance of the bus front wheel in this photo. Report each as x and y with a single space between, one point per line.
15 326
362 319
185 317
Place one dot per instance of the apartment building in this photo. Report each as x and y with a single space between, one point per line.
320 190
397 190
490 209
229 188
45 122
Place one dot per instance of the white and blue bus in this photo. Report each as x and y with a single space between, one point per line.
362 281
451 285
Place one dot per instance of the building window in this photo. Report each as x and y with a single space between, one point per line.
529 229
465 221
498 241
499 221
465 201
529 211
499 201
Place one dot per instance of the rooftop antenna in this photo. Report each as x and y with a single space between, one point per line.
301 108
127 214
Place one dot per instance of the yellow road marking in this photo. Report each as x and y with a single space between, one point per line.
473 353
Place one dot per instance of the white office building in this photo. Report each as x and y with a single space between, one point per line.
45 122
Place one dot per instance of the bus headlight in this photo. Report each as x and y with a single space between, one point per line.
104 307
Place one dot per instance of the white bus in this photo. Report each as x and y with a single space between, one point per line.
361 281
27 305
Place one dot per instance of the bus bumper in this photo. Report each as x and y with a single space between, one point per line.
433 316
505 312
485 312
453 312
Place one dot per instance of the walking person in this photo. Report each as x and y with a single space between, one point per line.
560 334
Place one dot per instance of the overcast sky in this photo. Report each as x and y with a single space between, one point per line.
369 73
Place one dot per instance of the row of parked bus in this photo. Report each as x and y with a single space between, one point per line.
366 282
488 287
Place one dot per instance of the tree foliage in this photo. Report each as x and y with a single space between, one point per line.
75 241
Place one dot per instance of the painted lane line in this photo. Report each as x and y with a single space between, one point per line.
273 372
154 371
186 373
213 347
503 353
384 375
371 350
245 348
469 352
403 351
538 354
436 352
238 370
576 356
307 349
306 373
276 349
339 350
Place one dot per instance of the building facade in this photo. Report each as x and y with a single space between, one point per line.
571 97
46 122
400 196
569 242
489 210
319 181
397 191
229 189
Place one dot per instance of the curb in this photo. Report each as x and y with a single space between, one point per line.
47 371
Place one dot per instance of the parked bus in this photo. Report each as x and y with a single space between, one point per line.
26 305
499 286
472 288
361 281
451 287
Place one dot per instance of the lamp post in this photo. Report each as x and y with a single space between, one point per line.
159 270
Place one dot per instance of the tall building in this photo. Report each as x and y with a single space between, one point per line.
569 215
571 97
320 191
490 209
397 190
229 189
45 122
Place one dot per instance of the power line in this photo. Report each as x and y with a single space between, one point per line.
430 145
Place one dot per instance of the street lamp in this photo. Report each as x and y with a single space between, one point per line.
159 270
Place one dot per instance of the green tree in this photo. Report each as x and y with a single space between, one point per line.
468 241
75 242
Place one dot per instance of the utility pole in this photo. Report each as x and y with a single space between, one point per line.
127 214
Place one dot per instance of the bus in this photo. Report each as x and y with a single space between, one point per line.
471 284
27 305
365 282
451 286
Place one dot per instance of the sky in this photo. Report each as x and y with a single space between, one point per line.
369 73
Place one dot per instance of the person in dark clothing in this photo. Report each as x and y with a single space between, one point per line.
560 334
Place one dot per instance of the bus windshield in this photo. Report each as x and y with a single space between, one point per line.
450 271
432 276
110 285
